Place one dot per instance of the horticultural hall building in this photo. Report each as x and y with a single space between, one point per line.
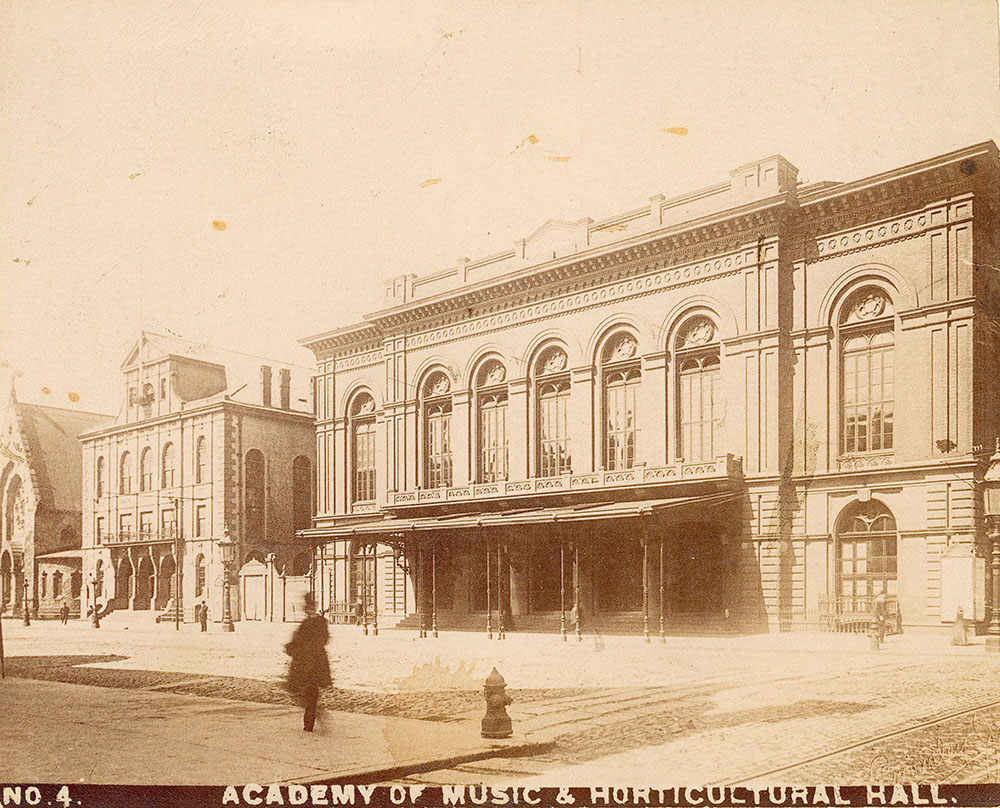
756 406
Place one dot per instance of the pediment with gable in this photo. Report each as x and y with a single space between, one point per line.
556 238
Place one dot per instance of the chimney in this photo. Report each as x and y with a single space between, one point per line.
285 388
265 385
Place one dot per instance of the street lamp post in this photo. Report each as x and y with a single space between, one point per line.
27 604
228 549
95 620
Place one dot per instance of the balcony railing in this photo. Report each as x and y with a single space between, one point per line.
136 537
724 467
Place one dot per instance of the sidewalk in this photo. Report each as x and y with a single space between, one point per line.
60 733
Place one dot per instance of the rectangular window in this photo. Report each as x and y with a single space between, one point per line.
99 531
163 388
620 416
553 429
146 525
698 397
867 393
201 520
364 461
168 524
492 437
125 527
438 443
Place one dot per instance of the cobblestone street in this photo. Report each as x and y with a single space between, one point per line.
692 711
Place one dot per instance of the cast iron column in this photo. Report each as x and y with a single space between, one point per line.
562 588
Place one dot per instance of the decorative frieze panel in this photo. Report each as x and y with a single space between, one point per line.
862 462
360 360
724 467
609 293
887 231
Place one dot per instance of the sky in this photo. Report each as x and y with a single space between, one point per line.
248 173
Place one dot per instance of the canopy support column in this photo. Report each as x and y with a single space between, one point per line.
364 585
663 631
576 590
375 589
434 592
562 585
489 593
645 584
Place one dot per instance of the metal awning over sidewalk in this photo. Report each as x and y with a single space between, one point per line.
676 506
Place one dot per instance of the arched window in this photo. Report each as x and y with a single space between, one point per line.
125 474
75 582
362 426
867 344
45 584
254 495
551 381
201 460
146 470
99 478
620 377
437 431
169 466
866 550
699 406
199 576
301 493
14 514
491 422
57 585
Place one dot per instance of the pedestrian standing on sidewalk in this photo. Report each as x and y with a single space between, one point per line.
203 616
309 669
64 613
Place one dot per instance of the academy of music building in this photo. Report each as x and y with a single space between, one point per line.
758 405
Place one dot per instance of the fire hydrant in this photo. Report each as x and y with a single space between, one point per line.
496 722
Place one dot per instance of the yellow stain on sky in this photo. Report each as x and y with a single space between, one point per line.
218 224
46 391
434 181
676 130
73 396
555 159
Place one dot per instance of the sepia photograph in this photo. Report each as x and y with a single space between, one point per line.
530 403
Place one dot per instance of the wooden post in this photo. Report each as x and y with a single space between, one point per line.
364 586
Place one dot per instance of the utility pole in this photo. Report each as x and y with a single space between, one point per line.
178 564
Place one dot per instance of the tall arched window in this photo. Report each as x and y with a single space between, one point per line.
57 584
551 378
301 493
125 474
867 345
437 431
362 426
169 466
698 402
146 470
254 495
99 481
201 460
491 422
866 550
620 377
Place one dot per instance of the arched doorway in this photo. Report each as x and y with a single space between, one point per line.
123 584
144 584
363 576
165 582
866 551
